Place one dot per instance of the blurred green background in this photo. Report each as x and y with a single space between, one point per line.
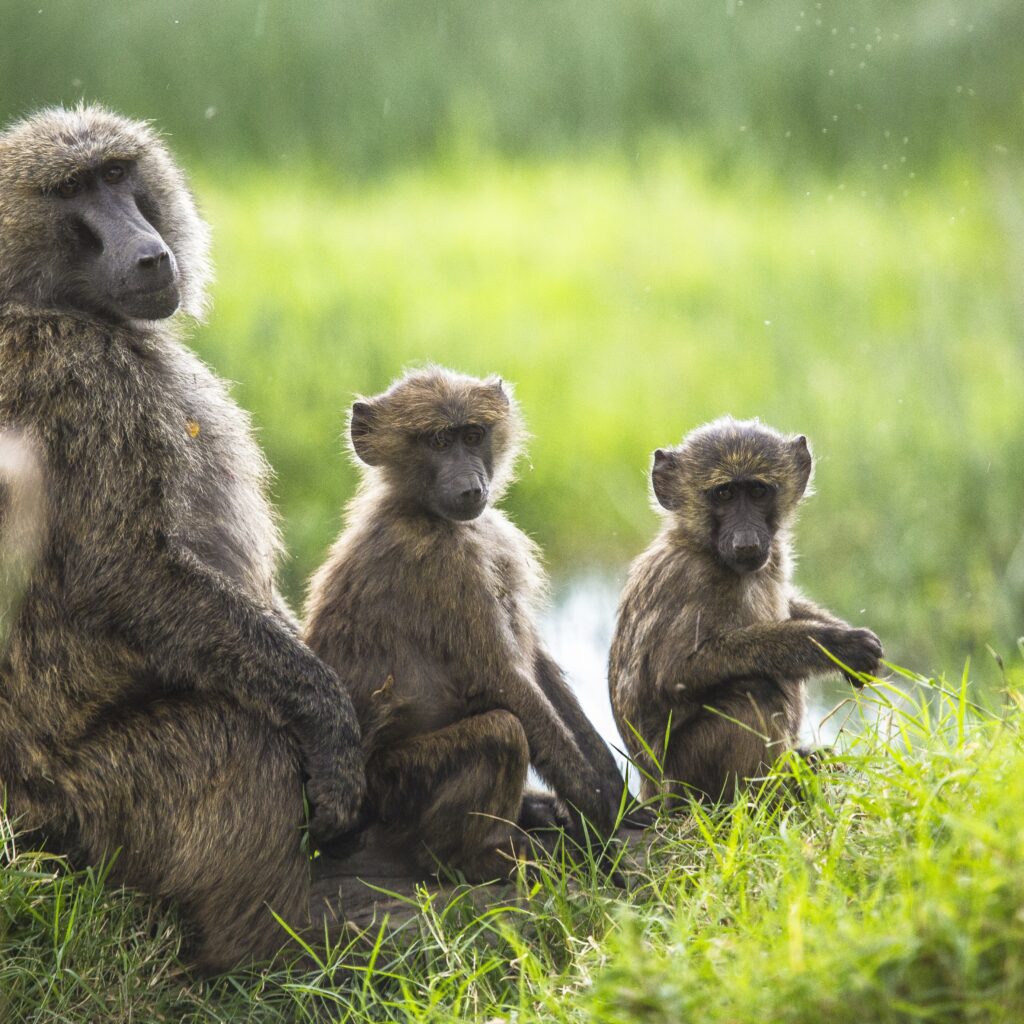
644 214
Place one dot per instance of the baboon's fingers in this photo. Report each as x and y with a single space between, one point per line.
339 847
543 810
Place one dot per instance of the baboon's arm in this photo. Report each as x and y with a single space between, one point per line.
553 682
193 624
801 608
195 628
554 751
783 651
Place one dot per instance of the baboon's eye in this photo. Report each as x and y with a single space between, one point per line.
758 489
113 172
722 493
439 441
473 435
69 187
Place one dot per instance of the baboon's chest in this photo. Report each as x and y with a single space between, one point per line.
755 601
510 593
213 488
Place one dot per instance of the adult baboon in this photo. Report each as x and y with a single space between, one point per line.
426 608
154 696
713 643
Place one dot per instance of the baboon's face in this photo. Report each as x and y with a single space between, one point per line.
96 218
744 521
456 466
440 442
731 486
116 262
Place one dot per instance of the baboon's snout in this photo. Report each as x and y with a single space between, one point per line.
749 550
469 496
154 265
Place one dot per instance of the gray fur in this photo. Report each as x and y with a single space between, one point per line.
154 699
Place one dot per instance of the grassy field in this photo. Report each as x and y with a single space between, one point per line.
890 892
631 299
644 216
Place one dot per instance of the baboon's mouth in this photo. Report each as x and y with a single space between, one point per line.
748 565
464 514
152 303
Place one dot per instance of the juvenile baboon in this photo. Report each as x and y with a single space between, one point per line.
713 643
427 607
155 698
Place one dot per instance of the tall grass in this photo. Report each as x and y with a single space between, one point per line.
887 887
364 86
630 299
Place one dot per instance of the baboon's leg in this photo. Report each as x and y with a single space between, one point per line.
454 795
750 723
204 801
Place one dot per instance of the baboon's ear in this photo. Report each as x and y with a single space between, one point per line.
804 463
497 386
662 473
360 429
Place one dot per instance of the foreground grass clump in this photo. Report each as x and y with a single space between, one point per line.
892 891
896 892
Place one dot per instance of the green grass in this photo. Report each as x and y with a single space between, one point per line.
367 86
836 247
630 299
891 890
874 306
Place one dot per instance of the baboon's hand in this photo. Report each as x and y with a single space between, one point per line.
858 649
336 789
599 799
543 810
336 798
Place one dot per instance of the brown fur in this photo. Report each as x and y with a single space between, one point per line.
697 644
431 624
155 701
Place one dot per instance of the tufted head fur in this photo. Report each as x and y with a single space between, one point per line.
385 430
45 149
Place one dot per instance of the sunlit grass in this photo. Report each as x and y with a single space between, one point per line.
631 299
888 886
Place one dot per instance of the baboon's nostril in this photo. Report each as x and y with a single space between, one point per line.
154 258
154 265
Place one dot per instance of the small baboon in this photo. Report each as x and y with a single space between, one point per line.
713 643
427 608
156 701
